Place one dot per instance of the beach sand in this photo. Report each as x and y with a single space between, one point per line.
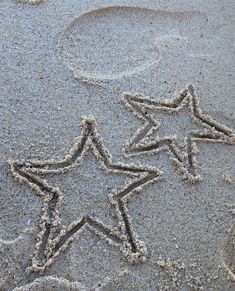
117 142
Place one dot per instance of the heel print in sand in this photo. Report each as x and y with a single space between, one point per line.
54 237
205 129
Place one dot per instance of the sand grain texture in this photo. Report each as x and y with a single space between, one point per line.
117 145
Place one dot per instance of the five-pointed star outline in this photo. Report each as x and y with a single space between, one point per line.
54 237
185 159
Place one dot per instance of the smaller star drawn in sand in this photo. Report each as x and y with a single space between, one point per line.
184 156
54 237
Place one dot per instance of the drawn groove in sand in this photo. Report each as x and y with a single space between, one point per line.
185 160
48 283
34 2
117 41
53 237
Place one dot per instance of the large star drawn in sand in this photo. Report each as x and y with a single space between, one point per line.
54 237
183 156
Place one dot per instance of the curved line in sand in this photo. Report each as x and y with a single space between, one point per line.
9 242
17 239
83 74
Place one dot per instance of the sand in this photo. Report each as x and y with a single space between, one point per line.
117 145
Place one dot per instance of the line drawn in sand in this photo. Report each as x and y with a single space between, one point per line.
48 283
184 157
119 41
34 2
53 237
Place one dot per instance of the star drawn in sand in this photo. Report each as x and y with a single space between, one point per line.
183 156
54 237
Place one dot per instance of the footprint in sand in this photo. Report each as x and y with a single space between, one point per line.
113 42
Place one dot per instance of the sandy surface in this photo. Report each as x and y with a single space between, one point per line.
117 145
